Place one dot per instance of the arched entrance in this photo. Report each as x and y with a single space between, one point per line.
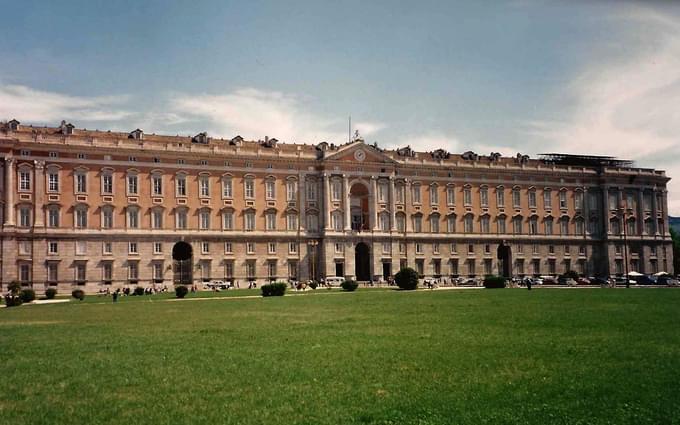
362 262
182 264
358 201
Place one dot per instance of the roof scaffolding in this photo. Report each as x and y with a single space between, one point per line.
585 160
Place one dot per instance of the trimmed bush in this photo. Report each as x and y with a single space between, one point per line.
138 291
181 291
406 279
50 293
313 284
276 289
492 281
349 285
27 295
78 294
14 287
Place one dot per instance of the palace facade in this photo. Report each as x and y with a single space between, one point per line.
94 209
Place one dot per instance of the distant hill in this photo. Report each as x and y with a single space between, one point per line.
674 222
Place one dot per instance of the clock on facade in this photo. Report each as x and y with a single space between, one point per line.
359 155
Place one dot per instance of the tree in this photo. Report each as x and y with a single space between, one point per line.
407 278
676 250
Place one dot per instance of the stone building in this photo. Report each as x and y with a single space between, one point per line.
101 208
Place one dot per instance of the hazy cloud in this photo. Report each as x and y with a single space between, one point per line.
36 106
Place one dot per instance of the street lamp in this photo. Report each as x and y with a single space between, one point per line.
312 244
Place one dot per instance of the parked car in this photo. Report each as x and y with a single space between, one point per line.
219 284
620 280
334 280
429 282
583 281
645 280
598 281
667 280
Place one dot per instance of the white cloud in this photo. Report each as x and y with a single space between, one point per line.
254 113
626 104
36 106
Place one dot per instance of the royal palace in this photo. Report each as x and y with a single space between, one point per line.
97 209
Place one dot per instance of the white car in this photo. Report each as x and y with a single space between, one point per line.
429 282
334 280
218 284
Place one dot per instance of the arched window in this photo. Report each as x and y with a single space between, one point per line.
336 220
501 225
401 222
517 225
132 217
451 223
548 223
615 226
384 221
107 217
533 225
468 223
204 219
484 223
80 212
417 223
434 223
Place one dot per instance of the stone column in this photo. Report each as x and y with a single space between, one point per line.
327 201
302 196
374 203
605 212
10 172
408 202
345 191
640 212
393 207
655 213
39 185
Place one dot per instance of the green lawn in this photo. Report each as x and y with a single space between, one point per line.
586 356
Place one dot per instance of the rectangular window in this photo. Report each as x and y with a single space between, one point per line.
205 219
336 190
228 269
181 185
250 248
24 273
271 269
132 185
532 199
547 199
291 191
501 225
419 248
81 218
107 184
81 183
133 218
181 218
292 222
53 181
132 248
563 199
81 270
450 195
415 192
292 247
484 197
157 272
500 197
451 224
107 248
249 218
516 198
417 223
270 189
382 192
52 272
133 270
578 200
157 182
205 247
24 180
53 217
157 219
226 188
484 224
228 248
434 195
25 217
467 196
386 247
311 190
249 188
228 219
52 248
204 184
271 248
435 248
400 194
157 247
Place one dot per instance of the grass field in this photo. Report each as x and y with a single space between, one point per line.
587 356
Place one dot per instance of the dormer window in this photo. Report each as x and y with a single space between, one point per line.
66 128
137 135
201 138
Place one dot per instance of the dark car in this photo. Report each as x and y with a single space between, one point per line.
599 281
645 280
666 280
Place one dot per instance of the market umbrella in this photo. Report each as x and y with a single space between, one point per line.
635 274
660 273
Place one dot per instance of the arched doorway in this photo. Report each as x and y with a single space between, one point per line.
362 262
182 256
505 256
358 201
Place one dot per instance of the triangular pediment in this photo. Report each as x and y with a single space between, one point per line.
359 152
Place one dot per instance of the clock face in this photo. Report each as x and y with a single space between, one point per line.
360 155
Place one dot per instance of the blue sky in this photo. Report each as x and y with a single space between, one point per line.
517 76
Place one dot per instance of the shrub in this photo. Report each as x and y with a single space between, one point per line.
50 293
349 285
570 274
181 291
27 295
12 300
276 289
491 281
14 287
138 291
406 279
78 294
313 284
